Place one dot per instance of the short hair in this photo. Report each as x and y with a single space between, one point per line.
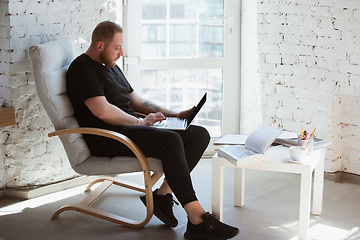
105 32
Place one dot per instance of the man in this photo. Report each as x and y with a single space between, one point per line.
103 98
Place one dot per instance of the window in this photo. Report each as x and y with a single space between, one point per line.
176 50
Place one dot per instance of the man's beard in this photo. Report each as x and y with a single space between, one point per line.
106 60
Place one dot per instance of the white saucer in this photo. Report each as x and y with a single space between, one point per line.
293 161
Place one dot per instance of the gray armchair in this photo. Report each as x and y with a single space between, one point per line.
50 63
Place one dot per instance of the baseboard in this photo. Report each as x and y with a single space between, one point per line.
350 177
332 176
32 192
343 177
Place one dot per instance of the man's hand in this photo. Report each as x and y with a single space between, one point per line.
152 118
185 114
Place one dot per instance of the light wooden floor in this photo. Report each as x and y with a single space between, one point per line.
270 211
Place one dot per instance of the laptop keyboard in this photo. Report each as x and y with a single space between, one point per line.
174 122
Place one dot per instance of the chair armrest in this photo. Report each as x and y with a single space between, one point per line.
110 134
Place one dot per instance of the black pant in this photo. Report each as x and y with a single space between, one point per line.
179 152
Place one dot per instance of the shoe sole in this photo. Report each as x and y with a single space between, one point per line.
160 215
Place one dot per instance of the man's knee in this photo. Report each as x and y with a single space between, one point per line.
206 134
170 139
202 133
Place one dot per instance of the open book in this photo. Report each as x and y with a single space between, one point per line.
254 149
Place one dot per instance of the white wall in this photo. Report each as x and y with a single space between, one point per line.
4 82
251 104
309 56
28 156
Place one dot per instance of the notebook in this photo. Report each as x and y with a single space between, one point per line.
254 149
180 124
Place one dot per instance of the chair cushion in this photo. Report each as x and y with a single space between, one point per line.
50 63
116 165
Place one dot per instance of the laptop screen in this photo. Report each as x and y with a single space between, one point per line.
197 109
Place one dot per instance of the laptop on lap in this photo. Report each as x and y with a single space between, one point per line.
181 124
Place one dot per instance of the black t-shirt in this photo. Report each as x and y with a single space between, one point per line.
87 78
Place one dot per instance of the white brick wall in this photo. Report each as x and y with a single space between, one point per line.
251 105
4 82
309 53
28 156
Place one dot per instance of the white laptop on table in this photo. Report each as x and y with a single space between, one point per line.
180 124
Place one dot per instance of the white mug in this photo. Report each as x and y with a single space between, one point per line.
298 153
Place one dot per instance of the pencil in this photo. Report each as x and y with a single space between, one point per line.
302 134
306 136
313 134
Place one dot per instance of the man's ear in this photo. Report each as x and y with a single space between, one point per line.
100 45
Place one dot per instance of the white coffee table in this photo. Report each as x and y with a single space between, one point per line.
276 159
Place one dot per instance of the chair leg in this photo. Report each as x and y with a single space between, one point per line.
121 183
84 205
102 215
154 178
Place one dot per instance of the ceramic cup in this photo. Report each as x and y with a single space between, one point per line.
298 153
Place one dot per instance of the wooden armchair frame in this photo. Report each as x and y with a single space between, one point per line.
149 181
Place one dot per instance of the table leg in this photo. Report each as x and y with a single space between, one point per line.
318 185
305 200
239 187
217 188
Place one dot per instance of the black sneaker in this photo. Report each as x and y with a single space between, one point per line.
163 208
210 229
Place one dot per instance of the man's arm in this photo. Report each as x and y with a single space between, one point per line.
113 115
141 105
